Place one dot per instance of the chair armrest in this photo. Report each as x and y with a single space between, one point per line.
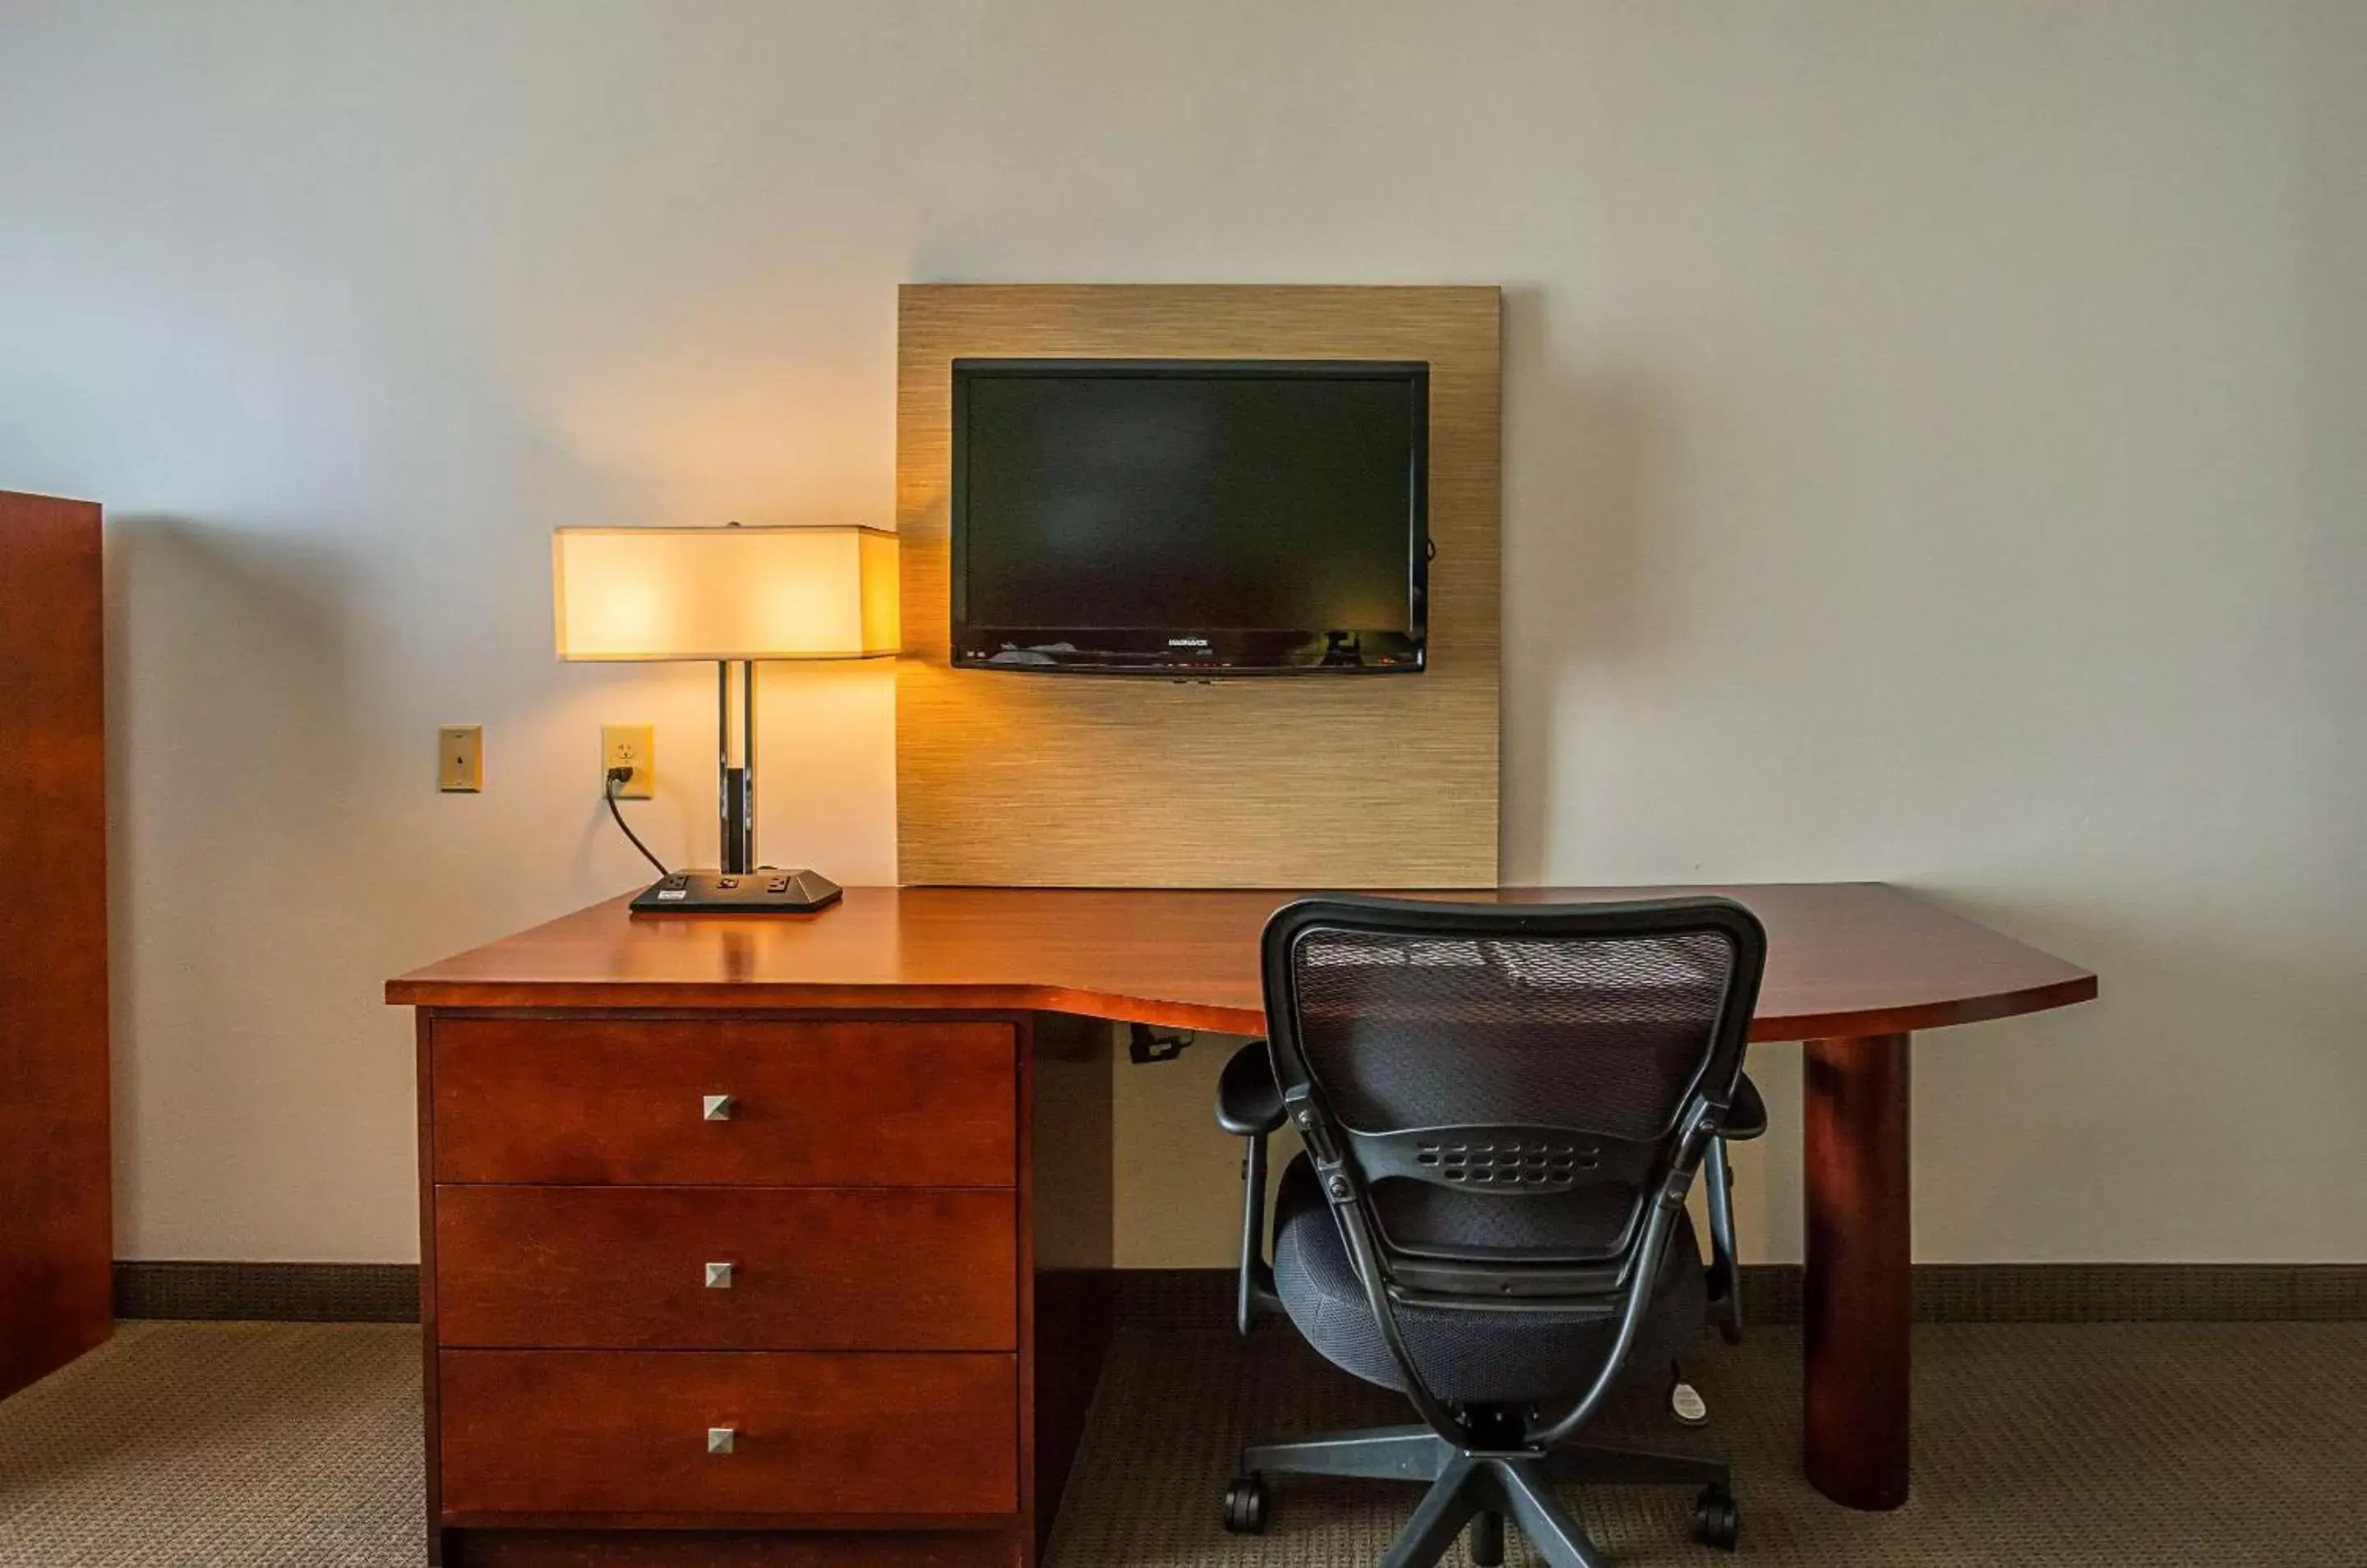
1249 1105
1747 1117
1249 1102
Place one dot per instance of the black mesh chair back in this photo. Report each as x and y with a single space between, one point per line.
1507 1082
1504 1107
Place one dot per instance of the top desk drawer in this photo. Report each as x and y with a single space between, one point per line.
857 1105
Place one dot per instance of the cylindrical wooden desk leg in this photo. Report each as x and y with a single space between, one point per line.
1859 1306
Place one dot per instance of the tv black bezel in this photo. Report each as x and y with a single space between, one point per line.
1196 652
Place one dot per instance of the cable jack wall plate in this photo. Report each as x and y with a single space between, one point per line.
461 758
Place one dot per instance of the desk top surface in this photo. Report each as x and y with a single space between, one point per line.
1843 958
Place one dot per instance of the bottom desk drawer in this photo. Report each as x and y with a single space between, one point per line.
580 1547
709 1434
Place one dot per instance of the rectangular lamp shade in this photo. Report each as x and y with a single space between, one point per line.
716 593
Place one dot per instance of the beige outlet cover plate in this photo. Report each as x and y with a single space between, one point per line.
630 746
461 758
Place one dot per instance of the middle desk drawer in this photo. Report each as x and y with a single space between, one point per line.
727 1269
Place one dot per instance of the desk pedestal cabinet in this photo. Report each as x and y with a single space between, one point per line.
766 1288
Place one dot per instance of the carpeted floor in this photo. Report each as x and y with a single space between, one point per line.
270 1446
231 1444
2185 1444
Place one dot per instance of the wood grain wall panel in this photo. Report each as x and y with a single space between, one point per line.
1102 781
57 1228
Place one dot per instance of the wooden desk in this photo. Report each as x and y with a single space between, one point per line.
558 1022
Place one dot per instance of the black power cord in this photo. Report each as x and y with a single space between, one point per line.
618 776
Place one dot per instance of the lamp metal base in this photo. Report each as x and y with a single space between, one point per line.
763 892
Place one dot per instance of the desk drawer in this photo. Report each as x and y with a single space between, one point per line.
808 1269
865 1104
575 1432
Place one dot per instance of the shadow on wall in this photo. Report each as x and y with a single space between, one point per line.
825 769
2242 1000
226 684
1577 455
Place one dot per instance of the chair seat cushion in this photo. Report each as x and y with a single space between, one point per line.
1465 1354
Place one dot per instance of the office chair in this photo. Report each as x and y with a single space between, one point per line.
1503 1109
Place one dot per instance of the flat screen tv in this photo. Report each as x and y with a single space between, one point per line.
1187 517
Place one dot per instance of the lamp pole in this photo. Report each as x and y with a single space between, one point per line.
736 765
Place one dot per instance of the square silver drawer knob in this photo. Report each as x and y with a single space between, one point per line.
716 1107
719 1276
719 1440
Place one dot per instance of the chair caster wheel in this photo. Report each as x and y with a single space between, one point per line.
1245 1504
1716 1522
1488 1541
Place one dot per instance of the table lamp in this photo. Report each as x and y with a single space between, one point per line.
734 596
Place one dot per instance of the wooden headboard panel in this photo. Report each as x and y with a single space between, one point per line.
1084 781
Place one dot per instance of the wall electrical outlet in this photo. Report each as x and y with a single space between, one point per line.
630 746
461 758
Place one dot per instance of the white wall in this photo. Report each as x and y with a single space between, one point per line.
1934 452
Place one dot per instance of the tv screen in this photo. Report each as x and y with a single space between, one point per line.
1189 516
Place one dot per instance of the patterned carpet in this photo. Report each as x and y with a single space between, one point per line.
226 1444
271 1446
2037 1445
